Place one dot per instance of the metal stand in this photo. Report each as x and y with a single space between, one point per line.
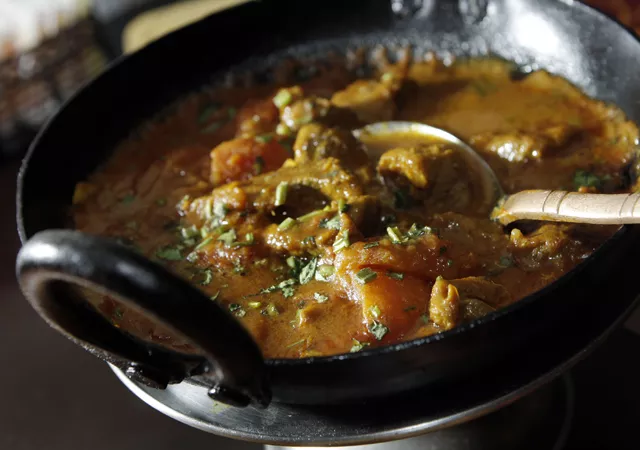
541 420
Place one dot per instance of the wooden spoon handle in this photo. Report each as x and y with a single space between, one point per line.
563 206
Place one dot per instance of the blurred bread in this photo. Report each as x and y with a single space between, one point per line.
154 24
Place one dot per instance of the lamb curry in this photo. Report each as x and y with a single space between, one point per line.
263 198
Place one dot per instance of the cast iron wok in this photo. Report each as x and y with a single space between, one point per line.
568 39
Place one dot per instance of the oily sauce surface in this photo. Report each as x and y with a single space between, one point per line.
262 198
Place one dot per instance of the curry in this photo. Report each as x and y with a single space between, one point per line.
319 243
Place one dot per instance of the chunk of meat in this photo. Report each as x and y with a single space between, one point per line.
243 158
257 117
370 100
373 100
444 304
521 146
297 110
316 141
435 174
482 289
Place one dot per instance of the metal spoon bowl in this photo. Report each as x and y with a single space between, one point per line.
548 205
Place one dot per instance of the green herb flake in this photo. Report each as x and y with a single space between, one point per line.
258 165
366 275
424 318
189 232
331 224
215 296
228 237
204 243
239 269
310 215
237 310
207 112
343 206
249 240
128 199
375 311
286 224
358 346
506 261
254 305
215 126
410 308
324 272
395 235
395 275
281 193
220 210
169 254
586 179
309 240
342 241
264 138
371 245
208 277
320 298
450 263
271 310
307 273
378 330
282 98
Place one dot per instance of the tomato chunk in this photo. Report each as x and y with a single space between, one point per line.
241 159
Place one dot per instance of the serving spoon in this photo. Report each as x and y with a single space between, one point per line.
548 205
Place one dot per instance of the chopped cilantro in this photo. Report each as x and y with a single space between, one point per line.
237 310
264 138
342 241
324 271
286 224
207 112
375 311
395 275
395 235
215 296
169 254
450 263
366 275
228 237
331 224
371 244
378 330
357 346
204 243
587 179
309 240
220 210
307 273
208 277
320 298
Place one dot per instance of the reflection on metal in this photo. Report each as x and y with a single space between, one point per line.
541 420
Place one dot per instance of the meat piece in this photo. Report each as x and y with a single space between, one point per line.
373 100
482 289
444 304
316 141
370 100
473 308
520 146
435 174
243 158
297 110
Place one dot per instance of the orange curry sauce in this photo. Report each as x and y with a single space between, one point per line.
261 197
